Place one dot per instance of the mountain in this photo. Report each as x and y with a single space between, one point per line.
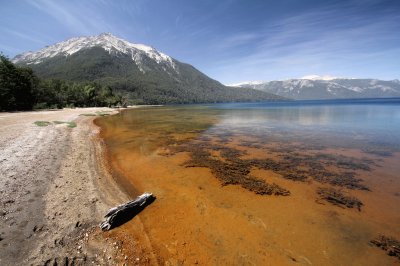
314 87
316 77
141 72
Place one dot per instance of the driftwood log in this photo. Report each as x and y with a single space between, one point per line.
121 214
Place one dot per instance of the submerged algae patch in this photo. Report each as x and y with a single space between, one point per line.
389 244
230 167
338 198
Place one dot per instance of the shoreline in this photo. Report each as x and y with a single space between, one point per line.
56 186
58 182
118 178
195 221
133 236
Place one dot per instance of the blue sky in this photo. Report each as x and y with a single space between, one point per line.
229 40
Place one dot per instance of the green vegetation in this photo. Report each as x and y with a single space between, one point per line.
152 84
103 113
88 114
69 124
20 89
98 113
42 123
58 94
73 81
17 86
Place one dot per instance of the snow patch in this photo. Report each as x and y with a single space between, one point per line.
107 41
316 77
244 83
382 88
356 89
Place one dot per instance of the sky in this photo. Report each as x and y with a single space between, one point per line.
228 40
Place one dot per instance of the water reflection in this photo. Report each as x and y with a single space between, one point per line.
368 116
370 122
359 123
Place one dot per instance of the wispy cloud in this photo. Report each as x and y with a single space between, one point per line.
8 49
238 39
312 42
76 16
231 40
21 34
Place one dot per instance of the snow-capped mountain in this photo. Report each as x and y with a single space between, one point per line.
315 87
317 77
107 41
247 83
141 72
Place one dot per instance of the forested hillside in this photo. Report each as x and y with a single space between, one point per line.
139 72
21 89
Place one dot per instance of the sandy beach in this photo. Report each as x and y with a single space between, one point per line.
55 188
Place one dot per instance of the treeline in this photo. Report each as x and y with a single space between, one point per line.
21 89
152 83
55 93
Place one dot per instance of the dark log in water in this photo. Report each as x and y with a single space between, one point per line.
336 197
123 213
389 244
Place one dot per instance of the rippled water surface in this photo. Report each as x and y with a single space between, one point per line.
308 182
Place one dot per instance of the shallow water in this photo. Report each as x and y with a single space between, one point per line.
239 183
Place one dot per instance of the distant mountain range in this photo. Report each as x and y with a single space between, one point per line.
141 72
314 87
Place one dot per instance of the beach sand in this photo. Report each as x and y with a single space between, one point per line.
54 191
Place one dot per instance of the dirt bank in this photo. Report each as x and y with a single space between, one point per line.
54 190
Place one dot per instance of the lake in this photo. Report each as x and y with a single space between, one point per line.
308 182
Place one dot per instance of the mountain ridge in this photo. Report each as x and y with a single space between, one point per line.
105 40
329 88
140 72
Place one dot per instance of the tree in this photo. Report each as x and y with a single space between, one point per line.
20 89
17 86
7 80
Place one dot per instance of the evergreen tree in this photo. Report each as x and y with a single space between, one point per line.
17 85
20 89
